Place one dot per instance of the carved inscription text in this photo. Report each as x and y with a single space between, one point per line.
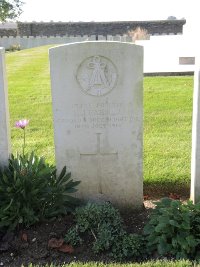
100 115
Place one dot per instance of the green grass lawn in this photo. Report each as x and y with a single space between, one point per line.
167 131
167 118
30 97
145 264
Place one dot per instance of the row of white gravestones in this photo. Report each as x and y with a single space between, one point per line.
4 114
97 91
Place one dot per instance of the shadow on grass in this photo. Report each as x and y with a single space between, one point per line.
165 189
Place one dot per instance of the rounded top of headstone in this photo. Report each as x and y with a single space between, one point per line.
96 44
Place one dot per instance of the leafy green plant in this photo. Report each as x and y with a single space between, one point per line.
129 246
105 237
173 229
31 190
72 237
92 216
103 222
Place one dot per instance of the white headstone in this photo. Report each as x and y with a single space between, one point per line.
195 164
4 115
97 91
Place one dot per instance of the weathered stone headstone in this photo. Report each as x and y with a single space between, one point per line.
195 164
97 91
4 114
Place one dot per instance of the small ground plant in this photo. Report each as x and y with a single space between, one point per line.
104 223
31 190
174 229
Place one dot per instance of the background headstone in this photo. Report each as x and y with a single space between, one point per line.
97 91
195 164
4 114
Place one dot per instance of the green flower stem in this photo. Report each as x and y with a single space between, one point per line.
23 147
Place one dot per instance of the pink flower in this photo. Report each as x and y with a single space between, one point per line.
21 123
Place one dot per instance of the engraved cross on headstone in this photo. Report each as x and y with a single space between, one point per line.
99 154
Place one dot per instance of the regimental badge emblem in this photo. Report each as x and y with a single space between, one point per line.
97 75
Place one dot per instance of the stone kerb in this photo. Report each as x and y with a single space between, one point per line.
195 162
97 97
4 113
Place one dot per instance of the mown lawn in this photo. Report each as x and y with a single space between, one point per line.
167 119
167 131
30 97
145 264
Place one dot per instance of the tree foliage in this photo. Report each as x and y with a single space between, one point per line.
10 9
